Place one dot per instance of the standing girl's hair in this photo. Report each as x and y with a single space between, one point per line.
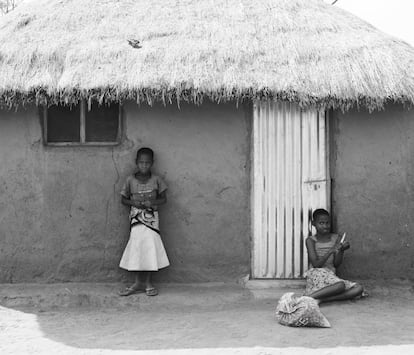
146 151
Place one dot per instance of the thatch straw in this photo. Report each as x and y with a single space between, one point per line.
299 50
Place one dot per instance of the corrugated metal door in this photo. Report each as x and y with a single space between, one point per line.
290 180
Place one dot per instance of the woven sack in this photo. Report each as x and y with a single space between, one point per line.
300 311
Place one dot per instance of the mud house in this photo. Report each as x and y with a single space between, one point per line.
258 111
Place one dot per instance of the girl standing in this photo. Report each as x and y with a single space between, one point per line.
144 253
326 253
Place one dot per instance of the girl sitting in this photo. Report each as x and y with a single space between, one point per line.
325 252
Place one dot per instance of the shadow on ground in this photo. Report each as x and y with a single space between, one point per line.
184 317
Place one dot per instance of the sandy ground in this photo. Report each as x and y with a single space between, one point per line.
205 321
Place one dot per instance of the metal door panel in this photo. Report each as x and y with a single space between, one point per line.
289 180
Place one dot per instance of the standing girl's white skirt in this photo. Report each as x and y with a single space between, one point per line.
145 250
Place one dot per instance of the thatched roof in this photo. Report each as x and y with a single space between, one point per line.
299 50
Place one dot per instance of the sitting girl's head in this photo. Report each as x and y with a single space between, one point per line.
144 161
319 212
321 220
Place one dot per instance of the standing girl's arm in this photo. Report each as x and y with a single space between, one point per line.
161 196
127 195
160 200
128 202
313 257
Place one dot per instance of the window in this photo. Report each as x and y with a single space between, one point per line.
78 125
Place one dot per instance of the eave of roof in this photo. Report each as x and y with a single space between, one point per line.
304 51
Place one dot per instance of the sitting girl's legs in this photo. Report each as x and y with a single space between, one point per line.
349 294
328 291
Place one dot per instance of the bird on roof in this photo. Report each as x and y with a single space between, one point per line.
134 43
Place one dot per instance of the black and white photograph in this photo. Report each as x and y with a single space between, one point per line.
201 177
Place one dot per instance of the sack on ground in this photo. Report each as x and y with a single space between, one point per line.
300 311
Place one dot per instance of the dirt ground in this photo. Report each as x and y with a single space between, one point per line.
196 320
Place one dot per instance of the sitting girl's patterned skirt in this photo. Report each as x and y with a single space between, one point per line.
319 278
145 250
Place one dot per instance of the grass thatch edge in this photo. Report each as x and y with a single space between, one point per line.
14 99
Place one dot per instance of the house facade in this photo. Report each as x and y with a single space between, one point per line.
62 219
248 142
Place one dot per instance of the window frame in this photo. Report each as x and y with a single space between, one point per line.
82 130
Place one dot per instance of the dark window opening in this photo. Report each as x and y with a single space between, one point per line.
78 125
101 123
63 124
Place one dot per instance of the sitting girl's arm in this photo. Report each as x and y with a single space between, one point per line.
339 255
313 257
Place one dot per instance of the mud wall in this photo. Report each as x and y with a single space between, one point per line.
373 182
60 213
61 218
